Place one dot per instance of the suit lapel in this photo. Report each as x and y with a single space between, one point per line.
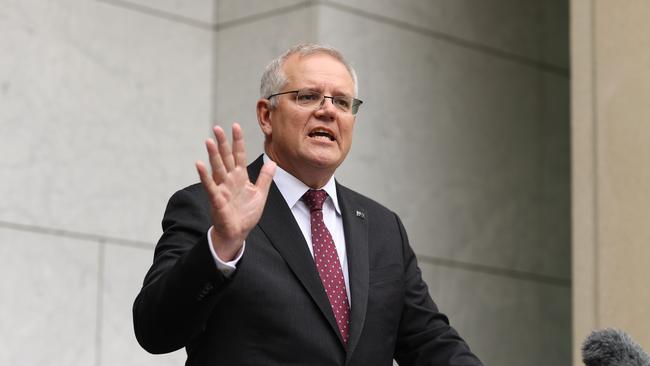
279 225
355 226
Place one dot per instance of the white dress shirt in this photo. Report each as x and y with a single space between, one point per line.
292 190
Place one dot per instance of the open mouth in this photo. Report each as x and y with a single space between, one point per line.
323 134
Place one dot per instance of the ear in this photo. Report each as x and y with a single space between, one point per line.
264 116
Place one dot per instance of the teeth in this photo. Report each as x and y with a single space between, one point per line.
320 133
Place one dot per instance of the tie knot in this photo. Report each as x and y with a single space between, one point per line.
314 199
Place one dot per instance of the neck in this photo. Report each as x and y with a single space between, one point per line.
313 177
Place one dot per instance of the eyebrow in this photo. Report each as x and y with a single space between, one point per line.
320 90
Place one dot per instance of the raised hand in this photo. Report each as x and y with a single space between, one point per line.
236 203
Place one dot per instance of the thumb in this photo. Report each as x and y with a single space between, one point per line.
266 176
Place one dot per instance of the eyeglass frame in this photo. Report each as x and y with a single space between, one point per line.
354 107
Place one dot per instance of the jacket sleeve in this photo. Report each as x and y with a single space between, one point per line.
424 335
183 283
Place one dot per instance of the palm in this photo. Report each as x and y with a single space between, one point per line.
236 203
242 208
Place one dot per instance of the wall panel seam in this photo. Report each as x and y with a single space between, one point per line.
496 271
180 19
263 15
35 229
595 160
210 26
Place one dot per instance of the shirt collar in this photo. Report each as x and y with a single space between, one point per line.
292 189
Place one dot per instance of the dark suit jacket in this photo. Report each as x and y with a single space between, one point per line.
273 310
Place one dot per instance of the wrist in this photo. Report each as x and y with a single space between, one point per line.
226 250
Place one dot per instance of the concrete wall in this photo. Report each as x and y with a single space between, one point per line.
464 133
611 135
103 110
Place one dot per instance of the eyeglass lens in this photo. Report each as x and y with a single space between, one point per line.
310 98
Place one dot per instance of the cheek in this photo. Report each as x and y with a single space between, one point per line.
346 131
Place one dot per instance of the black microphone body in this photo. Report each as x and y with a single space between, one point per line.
612 347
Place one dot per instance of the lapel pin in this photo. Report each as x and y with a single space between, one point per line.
361 214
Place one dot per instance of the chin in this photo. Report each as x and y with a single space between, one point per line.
331 163
325 161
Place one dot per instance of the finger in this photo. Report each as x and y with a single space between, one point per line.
266 177
238 146
208 183
224 149
218 170
215 194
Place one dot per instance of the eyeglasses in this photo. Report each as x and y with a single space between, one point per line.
313 99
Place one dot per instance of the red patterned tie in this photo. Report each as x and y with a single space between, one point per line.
327 262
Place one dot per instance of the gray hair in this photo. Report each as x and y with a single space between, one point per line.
274 79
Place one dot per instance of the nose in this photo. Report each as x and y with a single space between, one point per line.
328 108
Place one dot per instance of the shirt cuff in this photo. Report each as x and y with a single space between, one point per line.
226 268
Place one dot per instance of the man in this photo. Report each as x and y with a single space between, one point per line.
277 263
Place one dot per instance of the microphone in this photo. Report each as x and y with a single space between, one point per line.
612 347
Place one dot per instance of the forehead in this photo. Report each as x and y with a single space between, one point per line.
318 70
